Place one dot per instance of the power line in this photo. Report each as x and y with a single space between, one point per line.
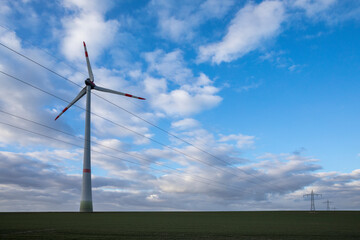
72 135
173 149
161 165
45 51
58 59
72 144
39 64
158 142
129 112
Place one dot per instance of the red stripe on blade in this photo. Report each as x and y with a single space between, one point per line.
86 170
86 55
128 95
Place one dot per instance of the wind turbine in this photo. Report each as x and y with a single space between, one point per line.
86 195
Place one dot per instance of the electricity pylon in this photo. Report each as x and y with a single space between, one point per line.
328 204
312 196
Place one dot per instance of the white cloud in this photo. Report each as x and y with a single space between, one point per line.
280 60
178 21
10 39
174 28
153 198
331 12
246 88
189 96
251 27
214 8
169 65
242 141
5 9
183 103
25 101
186 123
87 24
313 7
221 153
100 6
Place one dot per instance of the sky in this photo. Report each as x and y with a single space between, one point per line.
249 104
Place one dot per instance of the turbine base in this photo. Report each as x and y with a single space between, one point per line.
86 206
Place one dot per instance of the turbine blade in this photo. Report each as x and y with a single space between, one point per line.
91 76
80 95
116 92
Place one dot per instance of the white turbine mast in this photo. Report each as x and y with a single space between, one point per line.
86 195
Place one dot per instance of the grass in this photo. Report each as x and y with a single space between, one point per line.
181 225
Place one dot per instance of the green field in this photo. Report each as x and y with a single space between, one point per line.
181 225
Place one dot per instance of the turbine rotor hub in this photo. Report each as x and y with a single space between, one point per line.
89 83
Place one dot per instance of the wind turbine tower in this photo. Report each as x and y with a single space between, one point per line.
312 196
86 194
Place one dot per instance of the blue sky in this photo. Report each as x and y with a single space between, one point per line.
268 90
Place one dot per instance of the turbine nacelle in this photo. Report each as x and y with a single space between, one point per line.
88 82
